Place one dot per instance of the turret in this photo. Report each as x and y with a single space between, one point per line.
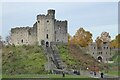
51 13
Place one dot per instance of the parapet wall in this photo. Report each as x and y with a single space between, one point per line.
19 29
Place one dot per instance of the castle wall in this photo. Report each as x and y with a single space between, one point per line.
32 35
23 35
106 52
103 51
93 49
61 34
19 36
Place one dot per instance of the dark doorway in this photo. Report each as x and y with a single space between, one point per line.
47 44
100 59
22 41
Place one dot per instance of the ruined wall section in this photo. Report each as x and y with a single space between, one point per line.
61 34
19 35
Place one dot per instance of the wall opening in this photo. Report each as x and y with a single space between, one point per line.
100 59
47 20
47 44
47 36
22 41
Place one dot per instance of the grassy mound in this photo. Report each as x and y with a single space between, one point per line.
76 58
23 60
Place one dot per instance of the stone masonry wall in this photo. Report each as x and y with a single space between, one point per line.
61 31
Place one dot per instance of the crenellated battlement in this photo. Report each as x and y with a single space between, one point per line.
60 21
20 29
40 16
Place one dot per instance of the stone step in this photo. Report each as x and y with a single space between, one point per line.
55 57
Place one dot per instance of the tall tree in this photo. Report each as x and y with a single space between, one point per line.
8 39
98 41
115 43
104 37
82 37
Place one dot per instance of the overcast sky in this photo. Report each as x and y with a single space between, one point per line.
95 17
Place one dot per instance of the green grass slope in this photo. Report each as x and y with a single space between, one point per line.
23 60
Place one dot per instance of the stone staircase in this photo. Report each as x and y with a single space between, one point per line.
57 58
54 59
50 64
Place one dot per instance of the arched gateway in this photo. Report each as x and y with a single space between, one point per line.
99 58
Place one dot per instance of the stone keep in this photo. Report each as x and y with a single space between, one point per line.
46 29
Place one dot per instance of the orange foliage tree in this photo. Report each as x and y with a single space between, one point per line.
115 43
82 38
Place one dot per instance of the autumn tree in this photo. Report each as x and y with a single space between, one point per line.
115 43
104 37
82 37
98 41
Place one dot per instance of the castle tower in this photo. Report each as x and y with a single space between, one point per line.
45 28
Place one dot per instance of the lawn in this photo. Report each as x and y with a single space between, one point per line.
114 73
51 76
